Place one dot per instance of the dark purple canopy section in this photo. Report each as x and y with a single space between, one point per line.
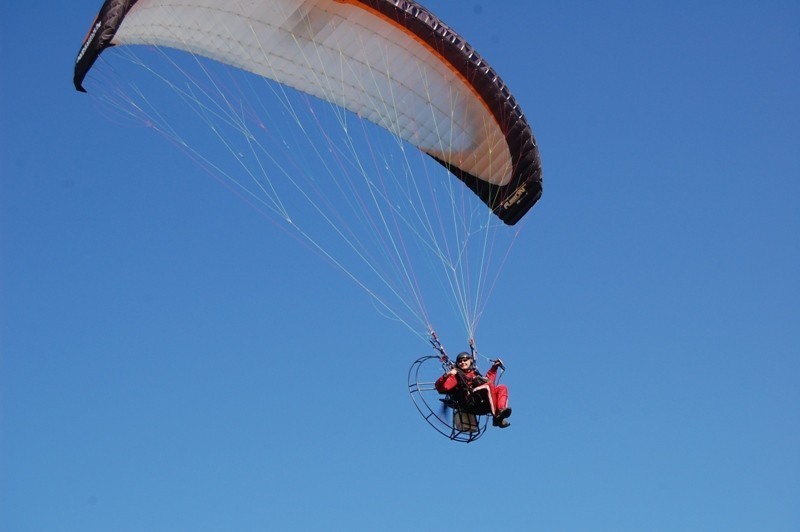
103 29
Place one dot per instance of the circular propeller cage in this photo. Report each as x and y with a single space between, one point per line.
439 410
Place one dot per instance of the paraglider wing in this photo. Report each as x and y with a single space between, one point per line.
390 61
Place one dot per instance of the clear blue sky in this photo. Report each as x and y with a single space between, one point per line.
170 363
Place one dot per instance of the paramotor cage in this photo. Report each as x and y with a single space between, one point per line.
441 411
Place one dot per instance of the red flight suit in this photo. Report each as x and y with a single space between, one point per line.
498 394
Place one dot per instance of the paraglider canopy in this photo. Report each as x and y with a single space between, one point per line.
390 61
